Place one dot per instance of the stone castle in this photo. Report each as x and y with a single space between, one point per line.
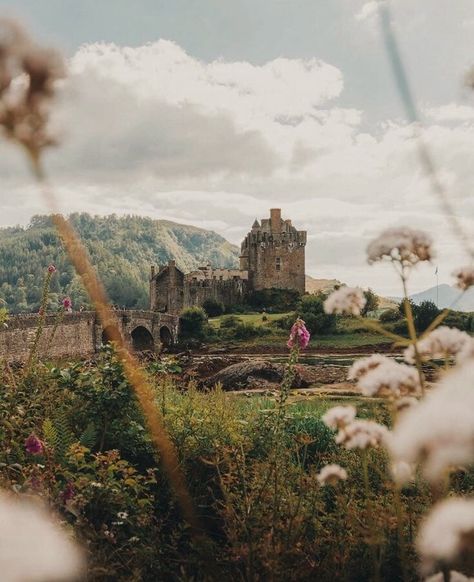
272 256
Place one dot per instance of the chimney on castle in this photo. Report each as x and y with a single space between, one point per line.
275 220
152 271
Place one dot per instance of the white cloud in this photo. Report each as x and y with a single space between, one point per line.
151 130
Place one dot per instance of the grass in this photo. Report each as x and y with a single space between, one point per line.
253 318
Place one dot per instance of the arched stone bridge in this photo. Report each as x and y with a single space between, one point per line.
81 334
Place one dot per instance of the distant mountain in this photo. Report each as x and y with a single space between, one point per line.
122 249
447 296
316 285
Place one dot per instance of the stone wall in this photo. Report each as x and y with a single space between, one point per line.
230 292
79 335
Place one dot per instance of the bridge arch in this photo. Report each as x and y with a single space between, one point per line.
142 339
166 337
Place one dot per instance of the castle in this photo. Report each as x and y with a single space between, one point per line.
272 256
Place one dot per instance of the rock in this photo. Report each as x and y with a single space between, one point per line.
252 373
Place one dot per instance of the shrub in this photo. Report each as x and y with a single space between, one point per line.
194 324
390 315
229 321
372 302
463 321
424 314
275 300
311 310
213 308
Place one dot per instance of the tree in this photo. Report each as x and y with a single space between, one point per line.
371 302
311 310
213 308
424 314
193 323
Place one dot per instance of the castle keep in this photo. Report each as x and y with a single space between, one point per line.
272 256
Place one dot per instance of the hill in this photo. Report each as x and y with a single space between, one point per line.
316 285
122 248
447 296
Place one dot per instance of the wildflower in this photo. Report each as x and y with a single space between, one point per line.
362 366
24 105
404 245
331 475
33 547
33 445
345 301
439 431
122 515
443 342
339 416
446 533
52 269
96 485
405 403
453 577
465 277
299 335
362 434
390 378
68 493
67 304
466 353
402 472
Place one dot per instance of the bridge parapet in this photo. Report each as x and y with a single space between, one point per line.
80 334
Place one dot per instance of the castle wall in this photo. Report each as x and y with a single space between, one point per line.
230 292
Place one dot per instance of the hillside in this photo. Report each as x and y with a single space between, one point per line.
122 248
447 296
316 285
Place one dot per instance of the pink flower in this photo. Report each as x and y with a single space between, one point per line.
40 311
33 445
299 335
51 269
67 303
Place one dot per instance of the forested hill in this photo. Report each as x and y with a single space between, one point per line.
122 249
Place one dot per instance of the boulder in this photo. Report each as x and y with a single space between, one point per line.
252 373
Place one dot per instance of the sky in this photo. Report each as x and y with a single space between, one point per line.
211 112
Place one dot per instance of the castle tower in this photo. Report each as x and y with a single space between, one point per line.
273 253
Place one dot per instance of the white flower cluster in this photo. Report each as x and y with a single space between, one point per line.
362 434
446 533
465 277
345 301
439 431
443 342
453 577
404 245
402 472
354 434
33 547
379 375
339 416
364 365
466 353
331 475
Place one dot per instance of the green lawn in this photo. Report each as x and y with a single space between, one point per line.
254 318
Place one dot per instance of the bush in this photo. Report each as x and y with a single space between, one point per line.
463 321
424 314
311 310
372 302
213 308
229 321
193 324
245 330
275 300
390 315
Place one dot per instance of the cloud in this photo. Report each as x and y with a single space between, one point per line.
152 130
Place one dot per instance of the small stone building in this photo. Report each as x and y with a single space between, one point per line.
272 256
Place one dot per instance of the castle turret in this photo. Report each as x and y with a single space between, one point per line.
273 253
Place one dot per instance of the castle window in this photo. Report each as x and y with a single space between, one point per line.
278 264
